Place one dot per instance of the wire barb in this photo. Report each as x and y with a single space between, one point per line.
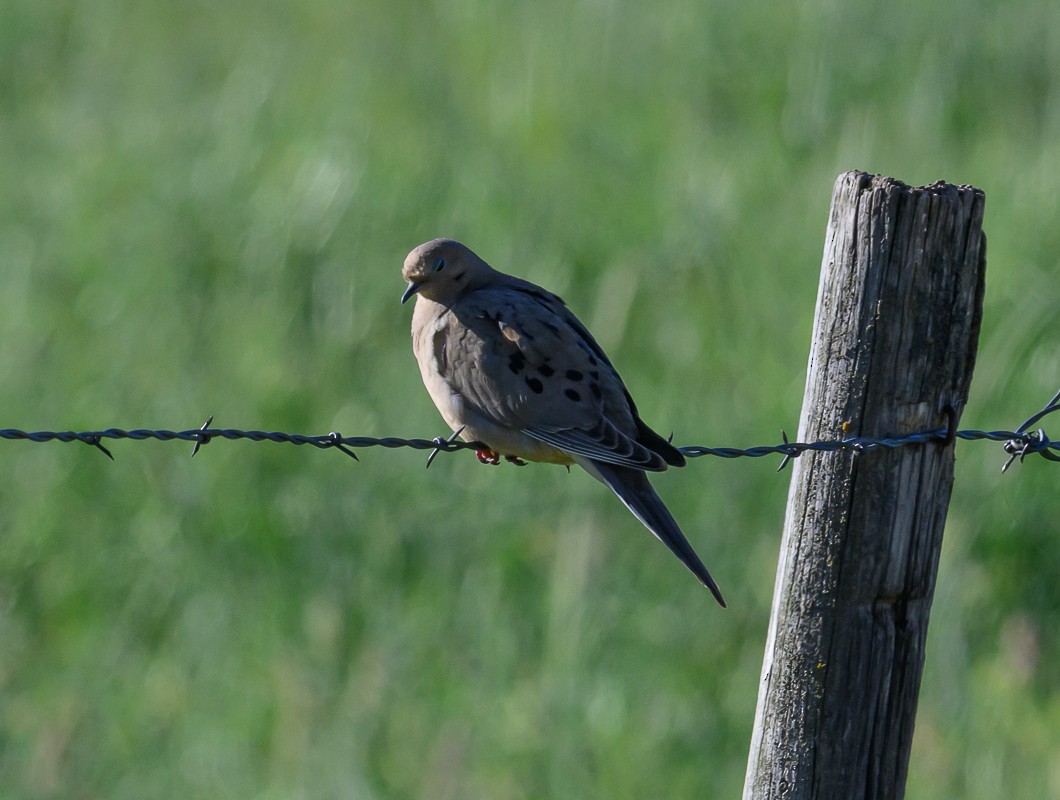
443 444
787 456
1023 444
203 439
336 441
95 442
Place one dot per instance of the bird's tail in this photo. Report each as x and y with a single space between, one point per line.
634 489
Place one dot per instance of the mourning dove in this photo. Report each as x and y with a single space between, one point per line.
509 365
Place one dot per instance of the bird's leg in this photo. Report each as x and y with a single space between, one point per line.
515 460
488 457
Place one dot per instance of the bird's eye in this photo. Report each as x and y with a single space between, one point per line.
439 265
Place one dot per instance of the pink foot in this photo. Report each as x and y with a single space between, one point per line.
488 457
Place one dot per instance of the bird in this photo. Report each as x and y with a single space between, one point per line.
510 366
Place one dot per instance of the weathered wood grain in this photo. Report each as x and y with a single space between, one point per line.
894 343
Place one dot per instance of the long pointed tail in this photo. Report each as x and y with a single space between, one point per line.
634 489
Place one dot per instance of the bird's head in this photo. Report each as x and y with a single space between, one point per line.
443 270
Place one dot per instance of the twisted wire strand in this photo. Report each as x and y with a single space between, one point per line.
1018 444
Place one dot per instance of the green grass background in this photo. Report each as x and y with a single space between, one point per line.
205 207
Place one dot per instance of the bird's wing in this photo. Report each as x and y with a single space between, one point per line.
524 361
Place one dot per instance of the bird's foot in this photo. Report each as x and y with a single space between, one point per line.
488 457
515 460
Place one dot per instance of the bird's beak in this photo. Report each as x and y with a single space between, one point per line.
410 290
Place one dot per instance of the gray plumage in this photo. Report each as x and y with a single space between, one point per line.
508 364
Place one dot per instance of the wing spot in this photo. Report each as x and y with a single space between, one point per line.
516 362
507 331
594 375
546 370
535 385
574 375
594 387
572 395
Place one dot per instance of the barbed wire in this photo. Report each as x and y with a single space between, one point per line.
1018 443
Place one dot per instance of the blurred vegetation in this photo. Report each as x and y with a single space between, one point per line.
205 210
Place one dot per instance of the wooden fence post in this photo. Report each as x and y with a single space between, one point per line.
894 343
